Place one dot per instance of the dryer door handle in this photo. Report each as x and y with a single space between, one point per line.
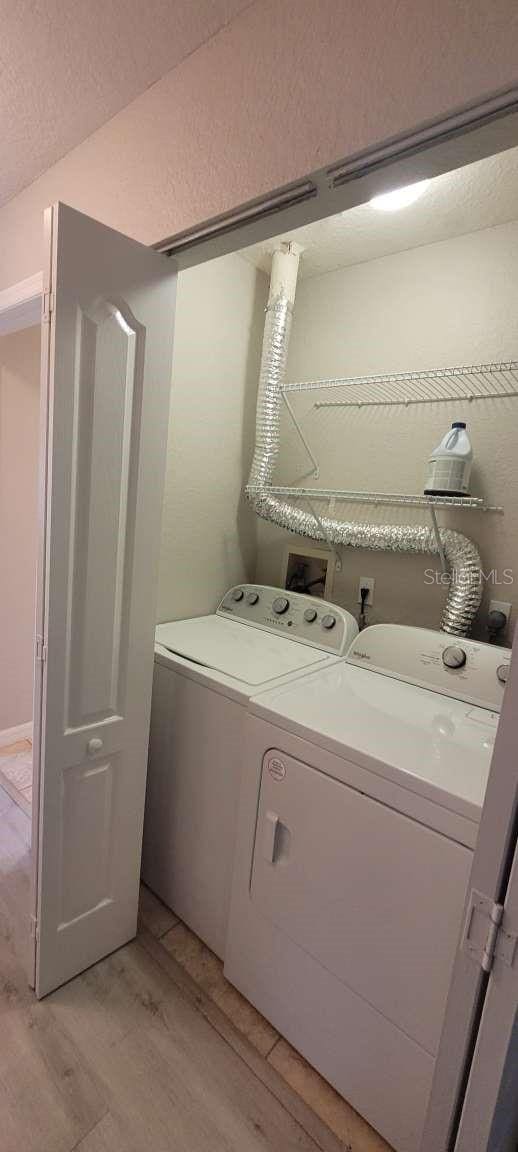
271 824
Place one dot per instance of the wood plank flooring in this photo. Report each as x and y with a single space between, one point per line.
16 772
121 1059
200 971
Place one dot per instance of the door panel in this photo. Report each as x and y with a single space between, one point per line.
375 897
88 797
108 381
108 386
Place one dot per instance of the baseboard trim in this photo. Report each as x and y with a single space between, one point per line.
20 732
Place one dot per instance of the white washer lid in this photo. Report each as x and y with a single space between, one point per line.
250 655
432 744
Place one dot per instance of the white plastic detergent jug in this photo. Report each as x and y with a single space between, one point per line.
449 467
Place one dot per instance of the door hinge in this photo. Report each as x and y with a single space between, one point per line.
41 650
484 936
48 307
34 927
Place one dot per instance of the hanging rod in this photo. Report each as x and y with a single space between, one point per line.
473 382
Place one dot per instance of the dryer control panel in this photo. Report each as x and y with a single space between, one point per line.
453 665
306 619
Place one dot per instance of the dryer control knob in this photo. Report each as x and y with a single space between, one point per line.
454 657
310 615
328 621
280 605
237 594
502 673
252 597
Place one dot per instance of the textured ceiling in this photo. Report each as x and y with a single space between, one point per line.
67 67
477 196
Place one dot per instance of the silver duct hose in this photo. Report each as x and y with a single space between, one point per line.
462 556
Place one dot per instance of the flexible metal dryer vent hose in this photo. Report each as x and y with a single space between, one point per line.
464 592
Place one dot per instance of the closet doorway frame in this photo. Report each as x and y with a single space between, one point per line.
22 305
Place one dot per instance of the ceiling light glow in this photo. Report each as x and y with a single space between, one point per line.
400 197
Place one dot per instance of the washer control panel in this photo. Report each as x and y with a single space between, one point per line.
466 669
306 619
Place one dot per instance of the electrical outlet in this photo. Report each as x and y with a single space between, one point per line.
366 582
500 606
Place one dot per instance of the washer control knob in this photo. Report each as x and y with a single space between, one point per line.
310 615
328 621
280 605
454 657
502 673
252 597
237 594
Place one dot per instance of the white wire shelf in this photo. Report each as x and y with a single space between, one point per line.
473 382
393 499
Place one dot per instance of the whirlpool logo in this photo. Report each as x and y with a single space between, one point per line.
277 769
360 655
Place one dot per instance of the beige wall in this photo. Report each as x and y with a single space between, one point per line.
19 432
284 89
444 304
209 532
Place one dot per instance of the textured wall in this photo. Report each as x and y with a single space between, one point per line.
284 89
19 434
81 64
443 304
209 532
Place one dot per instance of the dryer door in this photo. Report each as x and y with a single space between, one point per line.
373 896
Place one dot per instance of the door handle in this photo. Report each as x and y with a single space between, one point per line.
271 824
94 746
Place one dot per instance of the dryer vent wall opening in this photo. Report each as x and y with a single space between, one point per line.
462 556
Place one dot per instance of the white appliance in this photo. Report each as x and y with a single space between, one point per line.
361 796
206 669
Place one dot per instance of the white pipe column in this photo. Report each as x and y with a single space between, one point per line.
284 273
276 339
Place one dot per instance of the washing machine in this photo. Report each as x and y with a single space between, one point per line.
206 670
361 797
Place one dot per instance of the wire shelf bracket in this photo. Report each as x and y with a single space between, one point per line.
314 470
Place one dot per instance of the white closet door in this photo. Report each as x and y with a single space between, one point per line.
489 1118
469 1005
107 379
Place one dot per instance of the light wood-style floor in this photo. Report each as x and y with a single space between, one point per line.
150 1051
131 1056
205 971
16 772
